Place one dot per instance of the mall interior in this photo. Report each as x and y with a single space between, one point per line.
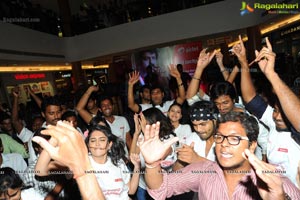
67 45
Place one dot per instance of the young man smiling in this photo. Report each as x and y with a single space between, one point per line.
238 173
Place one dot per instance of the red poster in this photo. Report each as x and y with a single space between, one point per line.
187 55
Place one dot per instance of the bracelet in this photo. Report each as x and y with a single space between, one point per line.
196 78
181 84
223 70
153 166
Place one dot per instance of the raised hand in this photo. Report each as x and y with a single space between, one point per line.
174 71
152 148
266 59
16 91
239 50
66 147
136 161
219 58
205 58
93 88
268 175
133 78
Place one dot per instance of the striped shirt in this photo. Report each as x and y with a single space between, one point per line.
208 180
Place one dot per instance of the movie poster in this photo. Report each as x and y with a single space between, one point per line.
159 60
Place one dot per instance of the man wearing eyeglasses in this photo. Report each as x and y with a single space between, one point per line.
237 174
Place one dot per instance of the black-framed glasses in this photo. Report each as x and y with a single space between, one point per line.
231 139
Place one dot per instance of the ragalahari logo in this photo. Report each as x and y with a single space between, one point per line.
246 8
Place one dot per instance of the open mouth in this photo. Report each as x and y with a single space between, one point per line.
226 155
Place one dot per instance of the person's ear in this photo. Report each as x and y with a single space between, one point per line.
253 146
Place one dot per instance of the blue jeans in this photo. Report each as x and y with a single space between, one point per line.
141 194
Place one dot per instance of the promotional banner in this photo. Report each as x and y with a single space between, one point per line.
160 59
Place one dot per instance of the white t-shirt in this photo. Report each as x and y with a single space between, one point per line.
119 127
14 161
282 150
112 179
25 134
186 136
31 194
164 108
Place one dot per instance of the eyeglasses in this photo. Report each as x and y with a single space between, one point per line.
231 139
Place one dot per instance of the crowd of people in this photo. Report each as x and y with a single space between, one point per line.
213 144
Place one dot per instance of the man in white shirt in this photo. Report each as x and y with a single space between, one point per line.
283 146
118 124
12 160
157 94
203 115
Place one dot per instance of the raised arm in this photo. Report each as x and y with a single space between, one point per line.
203 61
226 75
80 107
18 125
223 70
153 150
72 146
247 87
233 74
134 148
134 181
37 99
181 92
133 79
288 100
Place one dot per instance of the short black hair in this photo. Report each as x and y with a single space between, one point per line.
4 116
50 101
105 98
141 90
153 51
9 179
157 87
67 114
223 88
247 121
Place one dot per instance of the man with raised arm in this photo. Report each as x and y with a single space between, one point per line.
238 174
283 146
144 94
157 93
